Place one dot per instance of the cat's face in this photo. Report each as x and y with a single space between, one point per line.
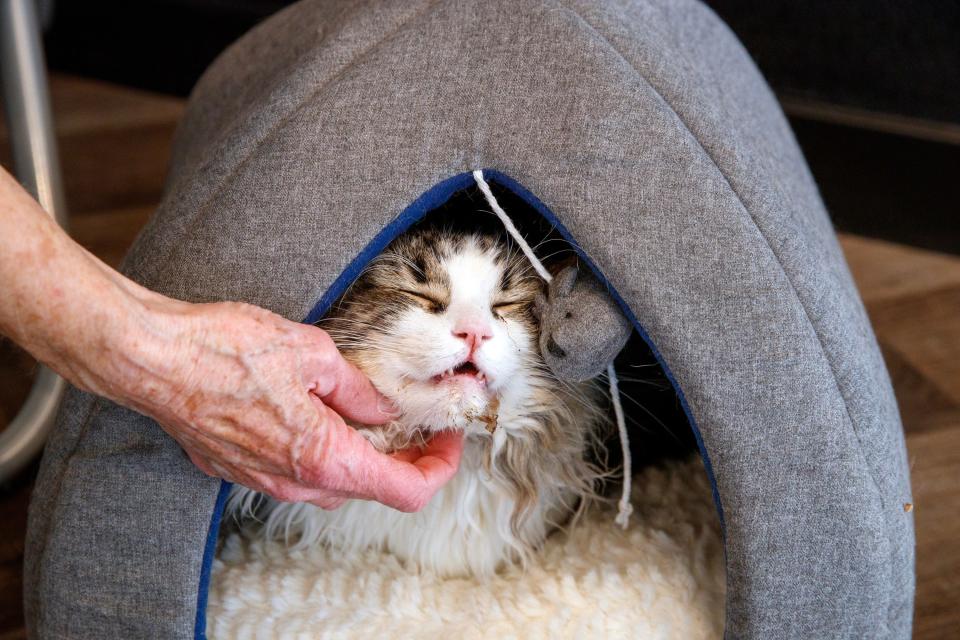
441 322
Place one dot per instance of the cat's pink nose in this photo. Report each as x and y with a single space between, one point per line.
473 333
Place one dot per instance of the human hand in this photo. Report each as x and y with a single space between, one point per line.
259 400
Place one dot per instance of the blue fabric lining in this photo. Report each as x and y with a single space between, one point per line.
428 201
200 627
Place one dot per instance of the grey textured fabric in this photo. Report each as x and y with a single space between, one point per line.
646 129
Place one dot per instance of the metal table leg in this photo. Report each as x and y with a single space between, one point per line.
29 121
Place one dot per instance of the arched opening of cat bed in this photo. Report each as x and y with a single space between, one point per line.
659 421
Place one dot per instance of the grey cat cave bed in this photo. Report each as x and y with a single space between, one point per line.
644 133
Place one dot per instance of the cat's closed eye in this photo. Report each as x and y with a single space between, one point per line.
501 308
427 301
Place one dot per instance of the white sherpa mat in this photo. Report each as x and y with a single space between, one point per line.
661 578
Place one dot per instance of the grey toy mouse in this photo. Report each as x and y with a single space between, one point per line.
581 327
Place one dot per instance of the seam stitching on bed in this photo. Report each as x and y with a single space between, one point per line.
753 219
96 404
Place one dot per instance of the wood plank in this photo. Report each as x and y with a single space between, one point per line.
114 143
108 234
885 271
923 405
923 329
13 525
82 105
17 369
913 299
935 460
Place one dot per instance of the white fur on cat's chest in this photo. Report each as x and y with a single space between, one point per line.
465 525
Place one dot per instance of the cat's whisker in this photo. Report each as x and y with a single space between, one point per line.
555 253
652 415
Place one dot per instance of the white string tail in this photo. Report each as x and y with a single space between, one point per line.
625 508
511 229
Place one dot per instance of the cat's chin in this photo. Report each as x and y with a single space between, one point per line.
453 400
429 408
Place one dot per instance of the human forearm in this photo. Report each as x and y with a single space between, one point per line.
102 331
59 301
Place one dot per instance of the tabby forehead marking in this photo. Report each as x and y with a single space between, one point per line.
423 263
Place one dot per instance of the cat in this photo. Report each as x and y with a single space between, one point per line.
444 323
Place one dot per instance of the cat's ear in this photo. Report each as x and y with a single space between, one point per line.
563 282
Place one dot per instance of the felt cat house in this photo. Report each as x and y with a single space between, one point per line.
640 130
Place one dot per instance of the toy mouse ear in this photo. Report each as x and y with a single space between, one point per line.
539 305
562 284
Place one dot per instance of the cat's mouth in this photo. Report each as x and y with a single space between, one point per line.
465 370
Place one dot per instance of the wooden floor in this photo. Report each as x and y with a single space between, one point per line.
115 145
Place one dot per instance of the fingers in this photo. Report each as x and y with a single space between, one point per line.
408 480
345 389
201 464
337 457
410 454
329 503
337 463
434 468
441 445
276 487
440 459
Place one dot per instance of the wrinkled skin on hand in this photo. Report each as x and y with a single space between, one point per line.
259 400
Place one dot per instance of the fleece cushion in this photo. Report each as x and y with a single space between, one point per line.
662 578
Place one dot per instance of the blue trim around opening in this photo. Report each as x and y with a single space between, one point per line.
428 201
200 625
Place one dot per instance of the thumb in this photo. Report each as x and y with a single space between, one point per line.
342 461
343 387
